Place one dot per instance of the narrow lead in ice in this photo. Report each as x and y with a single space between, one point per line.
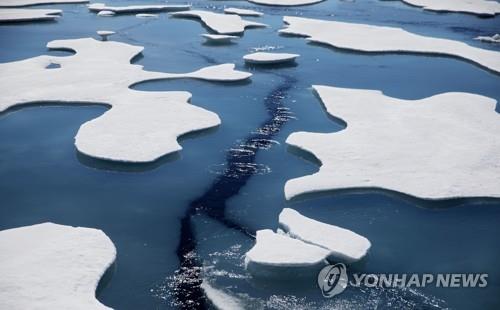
220 23
28 15
269 58
344 245
50 266
367 38
444 146
478 7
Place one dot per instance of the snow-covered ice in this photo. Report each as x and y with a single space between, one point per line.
106 13
493 39
26 15
442 146
242 12
279 255
140 126
269 58
21 3
220 23
343 244
50 266
104 34
98 7
367 38
478 7
146 15
285 2
219 38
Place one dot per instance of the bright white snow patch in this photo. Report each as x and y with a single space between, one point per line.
141 126
219 38
343 244
493 39
50 266
26 15
98 7
146 15
367 38
221 23
242 12
269 58
478 7
443 146
21 3
286 2
220 299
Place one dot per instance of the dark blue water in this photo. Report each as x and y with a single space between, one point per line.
221 202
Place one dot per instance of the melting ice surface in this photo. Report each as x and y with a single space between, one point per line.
140 207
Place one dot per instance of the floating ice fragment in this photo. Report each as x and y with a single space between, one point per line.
50 266
220 299
220 23
27 15
106 13
242 12
146 15
104 34
99 7
21 3
493 39
269 58
343 244
219 38
478 7
367 38
444 146
286 2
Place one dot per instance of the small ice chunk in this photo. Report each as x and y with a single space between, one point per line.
219 38
493 39
343 244
269 58
99 7
220 299
106 13
242 12
146 15
285 2
104 34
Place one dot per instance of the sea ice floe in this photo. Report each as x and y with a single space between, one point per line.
285 2
50 266
220 23
140 126
478 7
493 39
367 38
242 12
26 15
106 13
343 244
21 3
146 15
279 255
269 58
104 34
98 7
443 146
219 38
220 299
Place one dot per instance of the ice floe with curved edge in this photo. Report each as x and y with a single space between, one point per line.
286 2
478 7
141 126
106 13
28 15
146 15
367 38
21 3
221 23
493 39
444 146
269 58
219 38
242 12
278 255
98 7
104 34
220 299
50 266
343 244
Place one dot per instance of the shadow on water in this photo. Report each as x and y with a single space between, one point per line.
106 278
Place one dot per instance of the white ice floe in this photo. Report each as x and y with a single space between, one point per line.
106 13
279 255
219 38
221 23
242 12
220 299
286 2
146 15
50 266
104 34
269 58
367 38
343 244
140 126
21 3
26 15
493 39
442 146
478 7
98 7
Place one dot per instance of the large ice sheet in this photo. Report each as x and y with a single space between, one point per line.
50 266
28 15
368 38
442 146
98 7
478 7
21 3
